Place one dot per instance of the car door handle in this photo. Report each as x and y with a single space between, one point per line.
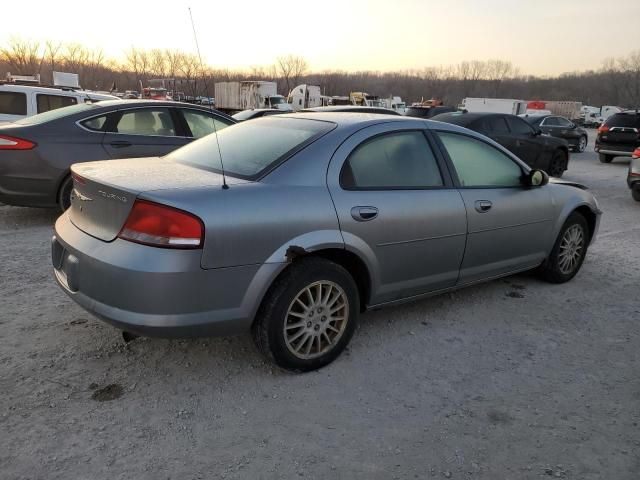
120 144
483 206
364 214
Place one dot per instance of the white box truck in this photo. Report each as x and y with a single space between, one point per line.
237 96
305 96
494 105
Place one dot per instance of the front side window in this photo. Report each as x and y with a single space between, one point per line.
13 103
395 160
53 102
550 122
479 164
519 126
202 124
146 121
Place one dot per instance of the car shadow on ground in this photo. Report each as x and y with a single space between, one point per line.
21 217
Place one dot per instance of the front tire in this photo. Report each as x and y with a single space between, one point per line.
568 252
308 316
635 193
558 164
605 158
582 144
64 194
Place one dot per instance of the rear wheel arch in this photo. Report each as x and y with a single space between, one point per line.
63 184
350 261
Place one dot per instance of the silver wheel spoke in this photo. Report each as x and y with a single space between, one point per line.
316 319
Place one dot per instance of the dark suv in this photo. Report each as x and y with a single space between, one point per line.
619 136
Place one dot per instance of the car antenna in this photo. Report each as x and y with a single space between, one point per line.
206 91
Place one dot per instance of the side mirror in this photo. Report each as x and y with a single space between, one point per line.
537 178
537 131
573 126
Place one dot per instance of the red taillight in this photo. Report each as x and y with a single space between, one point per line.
603 129
14 143
636 153
161 226
78 179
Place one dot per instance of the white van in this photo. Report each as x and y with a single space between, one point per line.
20 101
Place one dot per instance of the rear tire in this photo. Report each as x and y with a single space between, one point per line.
635 193
64 194
297 325
569 251
605 158
582 144
558 164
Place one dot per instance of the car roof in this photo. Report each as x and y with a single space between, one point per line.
352 108
463 118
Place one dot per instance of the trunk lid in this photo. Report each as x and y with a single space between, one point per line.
104 192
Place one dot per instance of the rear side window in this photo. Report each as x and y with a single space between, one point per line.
496 125
479 164
202 124
395 160
53 102
95 124
550 122
519 126
625 120
13 103
146 121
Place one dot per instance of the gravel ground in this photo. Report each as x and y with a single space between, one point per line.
514 379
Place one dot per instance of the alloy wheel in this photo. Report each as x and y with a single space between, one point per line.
316 319
582 144
571 247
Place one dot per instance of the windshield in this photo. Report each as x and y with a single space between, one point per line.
277 100
57 113
249 149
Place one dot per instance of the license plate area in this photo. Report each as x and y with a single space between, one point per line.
65 265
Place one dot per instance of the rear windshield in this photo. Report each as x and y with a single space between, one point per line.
624 120
13 103
57 113
250 149
245 114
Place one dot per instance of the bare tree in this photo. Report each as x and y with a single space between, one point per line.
24 57
291 69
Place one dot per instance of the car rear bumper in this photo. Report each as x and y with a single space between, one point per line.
154 291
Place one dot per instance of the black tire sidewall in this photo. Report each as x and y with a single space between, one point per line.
605 158
550 268
635 193
64 194
305 272
558 158
586 140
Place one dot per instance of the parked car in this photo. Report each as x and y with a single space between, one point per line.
36 152
352 109
256 113
328 215
560 127
21 101
633 177
619 136
427 112
536 150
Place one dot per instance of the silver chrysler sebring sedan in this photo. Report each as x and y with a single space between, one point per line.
316 218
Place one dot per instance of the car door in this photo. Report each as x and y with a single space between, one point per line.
550 126
142 132
398 208
527 145
199 123
509 225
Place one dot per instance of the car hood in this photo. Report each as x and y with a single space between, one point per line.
559 181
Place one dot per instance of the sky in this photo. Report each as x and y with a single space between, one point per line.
541 37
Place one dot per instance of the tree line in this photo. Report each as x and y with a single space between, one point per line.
617 82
